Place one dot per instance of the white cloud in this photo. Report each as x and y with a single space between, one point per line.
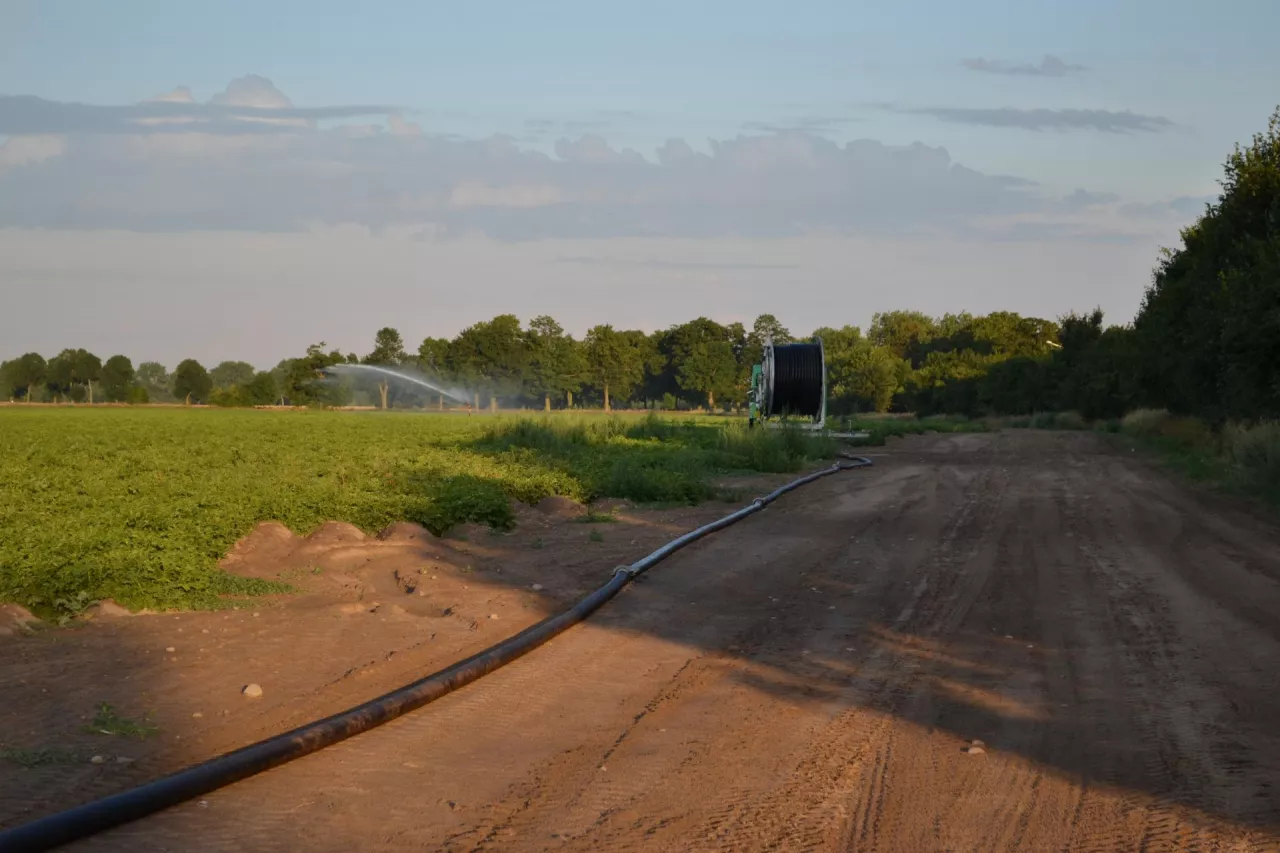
1050 66
252 91
249 159
180 95
30 150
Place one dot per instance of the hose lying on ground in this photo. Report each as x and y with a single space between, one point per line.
91 818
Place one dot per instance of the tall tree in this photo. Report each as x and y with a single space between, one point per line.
388 348
24 374
705 357
388 351
866 376
898 330
232 374
154 377
299 379
433 360
433 356
191 382
117 378
72 372
660 381
89 370
768 327
1209 326
556 365
835 341
261 389
494 354
614 360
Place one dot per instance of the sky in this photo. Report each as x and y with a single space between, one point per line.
238 180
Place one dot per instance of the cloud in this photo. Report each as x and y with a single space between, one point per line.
252 91
1050 66
248 105
1044 119
1083 200
818 125
250 160
28 150
180 95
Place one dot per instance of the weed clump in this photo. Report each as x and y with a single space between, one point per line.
108 721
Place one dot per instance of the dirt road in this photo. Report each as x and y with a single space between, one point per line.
1019 641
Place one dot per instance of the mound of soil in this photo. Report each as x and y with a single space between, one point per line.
405 531
335 533
107 609
15 619
558 506
270 544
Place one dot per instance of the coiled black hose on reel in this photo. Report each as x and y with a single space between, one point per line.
798 380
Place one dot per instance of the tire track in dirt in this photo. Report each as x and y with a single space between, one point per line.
833 770
1169 781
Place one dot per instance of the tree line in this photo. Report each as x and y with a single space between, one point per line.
501 362
1206 342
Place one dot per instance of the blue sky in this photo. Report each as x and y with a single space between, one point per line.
1182 82
703 69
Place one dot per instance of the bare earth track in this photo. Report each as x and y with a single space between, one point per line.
814 678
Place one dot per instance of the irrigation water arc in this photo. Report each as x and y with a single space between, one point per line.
396 374
98 816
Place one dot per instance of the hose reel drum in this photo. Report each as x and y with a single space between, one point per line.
790 380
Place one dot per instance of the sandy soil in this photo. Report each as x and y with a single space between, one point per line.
1001 642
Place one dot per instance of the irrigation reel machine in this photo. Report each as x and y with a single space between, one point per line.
790 380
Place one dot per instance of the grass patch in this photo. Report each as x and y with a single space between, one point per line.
591 516
880 429
43 757
651 460
108 721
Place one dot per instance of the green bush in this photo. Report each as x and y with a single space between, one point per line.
1187 434
1144 422
1069 420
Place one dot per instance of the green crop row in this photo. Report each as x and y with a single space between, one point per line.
138 505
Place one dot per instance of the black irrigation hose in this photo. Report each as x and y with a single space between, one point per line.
73 824
797 380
